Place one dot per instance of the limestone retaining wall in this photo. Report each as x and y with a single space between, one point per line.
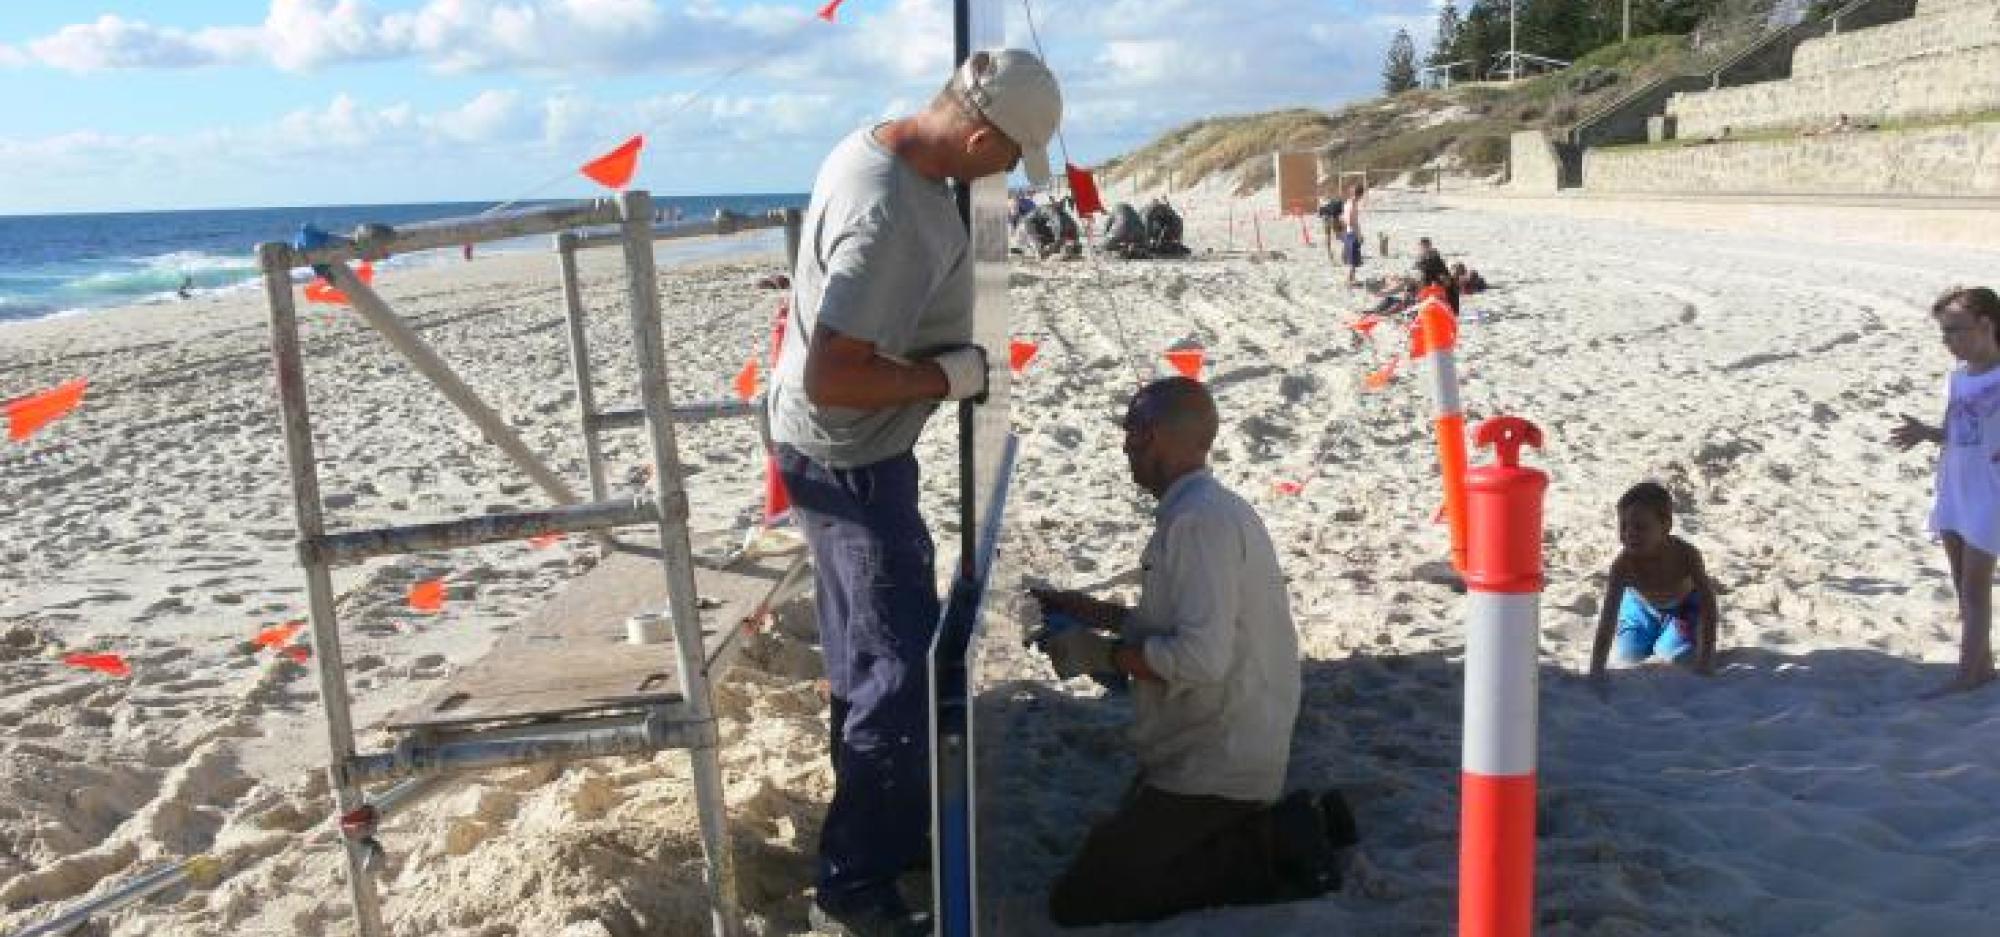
1532 166
1961 82
1950 160
1936 7
1964 28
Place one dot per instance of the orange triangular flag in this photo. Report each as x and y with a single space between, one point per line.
1286 486
1366 324
1187 361
832 7
30 413
746 380
108 664
1020 351
614 169
1083 188
545 541
320 291
1382 376
277 635
427 596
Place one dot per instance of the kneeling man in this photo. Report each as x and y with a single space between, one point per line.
1214 662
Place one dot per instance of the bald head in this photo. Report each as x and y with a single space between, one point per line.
1179 409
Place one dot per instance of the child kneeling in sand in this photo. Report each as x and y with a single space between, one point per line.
1966 514
1659 601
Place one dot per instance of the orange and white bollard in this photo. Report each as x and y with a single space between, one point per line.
1496 856
1435 338
777 501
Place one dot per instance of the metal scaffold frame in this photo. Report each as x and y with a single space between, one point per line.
620 728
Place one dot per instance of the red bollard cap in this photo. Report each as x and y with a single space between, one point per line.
1504 510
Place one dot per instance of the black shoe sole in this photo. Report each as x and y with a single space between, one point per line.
1339 820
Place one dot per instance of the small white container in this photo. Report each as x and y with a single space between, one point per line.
649 627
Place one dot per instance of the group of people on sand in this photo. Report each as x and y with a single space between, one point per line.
1050 230
1399 294
883 306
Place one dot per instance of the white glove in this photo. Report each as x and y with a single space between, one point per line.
964 372
1080 651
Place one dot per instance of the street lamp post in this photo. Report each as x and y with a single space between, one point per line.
1513 53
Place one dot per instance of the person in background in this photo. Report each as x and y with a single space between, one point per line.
1350 238
1658 598
1965 512
1330 226
1469 281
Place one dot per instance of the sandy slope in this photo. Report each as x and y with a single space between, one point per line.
1799 791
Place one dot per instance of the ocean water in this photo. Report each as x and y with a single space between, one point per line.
55 264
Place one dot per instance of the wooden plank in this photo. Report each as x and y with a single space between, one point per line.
570 657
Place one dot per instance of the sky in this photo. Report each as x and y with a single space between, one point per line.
123 105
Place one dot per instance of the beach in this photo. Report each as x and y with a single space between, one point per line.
1800 790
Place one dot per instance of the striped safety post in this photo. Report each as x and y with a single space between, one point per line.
1496 856
1436 338
777 501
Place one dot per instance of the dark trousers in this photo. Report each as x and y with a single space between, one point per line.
1162 854
878 607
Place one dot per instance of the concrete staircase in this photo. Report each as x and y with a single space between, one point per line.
1943 61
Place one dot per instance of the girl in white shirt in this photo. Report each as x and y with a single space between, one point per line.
1966 514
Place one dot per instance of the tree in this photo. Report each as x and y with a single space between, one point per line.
1446 39
1400 72
1481 35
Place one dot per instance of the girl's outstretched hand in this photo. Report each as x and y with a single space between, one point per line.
1912 431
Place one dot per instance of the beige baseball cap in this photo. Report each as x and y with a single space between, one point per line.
1015 92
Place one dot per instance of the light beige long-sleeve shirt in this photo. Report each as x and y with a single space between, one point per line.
1215 622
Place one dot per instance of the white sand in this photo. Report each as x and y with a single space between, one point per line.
1799 791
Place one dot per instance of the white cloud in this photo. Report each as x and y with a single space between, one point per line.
114 42
492 116
569 36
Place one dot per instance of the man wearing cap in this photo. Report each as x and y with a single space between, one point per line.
883 295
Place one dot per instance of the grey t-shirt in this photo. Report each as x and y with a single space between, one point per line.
883 258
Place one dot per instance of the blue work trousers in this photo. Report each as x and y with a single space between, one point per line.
878 607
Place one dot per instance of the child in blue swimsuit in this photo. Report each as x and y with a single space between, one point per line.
1658 600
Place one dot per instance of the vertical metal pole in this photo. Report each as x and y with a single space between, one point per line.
1513 52
677 555
1625 35
327 659
794 231
579 360
968 448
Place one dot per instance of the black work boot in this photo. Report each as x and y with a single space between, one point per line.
885 918
1308 862
1340 828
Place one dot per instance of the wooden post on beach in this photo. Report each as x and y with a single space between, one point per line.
1496 857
